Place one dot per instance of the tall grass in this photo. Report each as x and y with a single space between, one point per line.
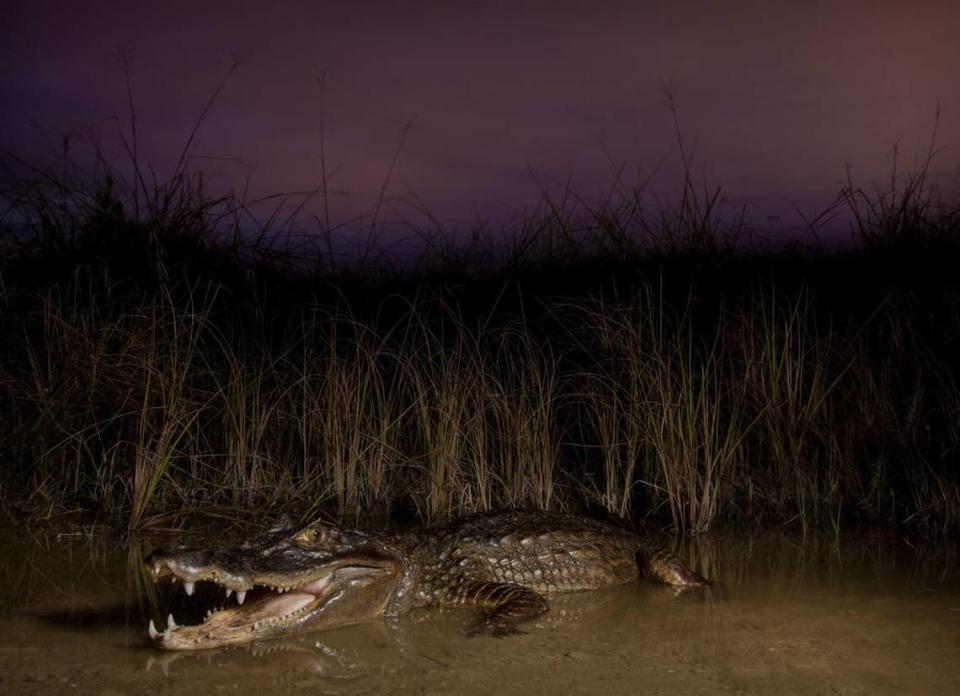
132 387
762 416
789 370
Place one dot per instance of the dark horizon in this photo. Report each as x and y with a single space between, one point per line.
773 103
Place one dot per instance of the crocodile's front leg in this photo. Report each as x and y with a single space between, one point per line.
504 603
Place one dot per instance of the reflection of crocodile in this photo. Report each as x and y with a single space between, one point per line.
319 576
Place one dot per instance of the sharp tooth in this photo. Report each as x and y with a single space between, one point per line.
166 634
241 595
152 630
188 588
171 624
229 592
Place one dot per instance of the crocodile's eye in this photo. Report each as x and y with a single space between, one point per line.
314 535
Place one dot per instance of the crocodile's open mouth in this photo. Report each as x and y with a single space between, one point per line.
263 606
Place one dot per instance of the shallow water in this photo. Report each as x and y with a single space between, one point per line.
867 615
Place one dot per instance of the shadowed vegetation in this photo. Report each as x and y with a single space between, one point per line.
160 354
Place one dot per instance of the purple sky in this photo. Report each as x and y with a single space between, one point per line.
777 97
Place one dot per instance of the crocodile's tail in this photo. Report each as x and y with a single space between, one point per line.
661 564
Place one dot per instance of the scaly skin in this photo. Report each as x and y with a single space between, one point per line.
504 563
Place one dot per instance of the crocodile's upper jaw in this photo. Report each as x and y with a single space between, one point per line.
336 593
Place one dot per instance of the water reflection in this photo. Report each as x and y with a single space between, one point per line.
847 613
321 655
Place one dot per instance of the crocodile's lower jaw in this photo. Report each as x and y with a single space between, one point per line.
265 613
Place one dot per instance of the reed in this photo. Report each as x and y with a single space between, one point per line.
763 416
153 364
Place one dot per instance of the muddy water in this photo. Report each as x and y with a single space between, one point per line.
865 616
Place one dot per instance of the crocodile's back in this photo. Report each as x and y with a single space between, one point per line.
546 552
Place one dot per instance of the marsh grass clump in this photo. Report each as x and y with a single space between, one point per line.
158 359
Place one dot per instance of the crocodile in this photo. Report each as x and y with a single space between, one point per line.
319 576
